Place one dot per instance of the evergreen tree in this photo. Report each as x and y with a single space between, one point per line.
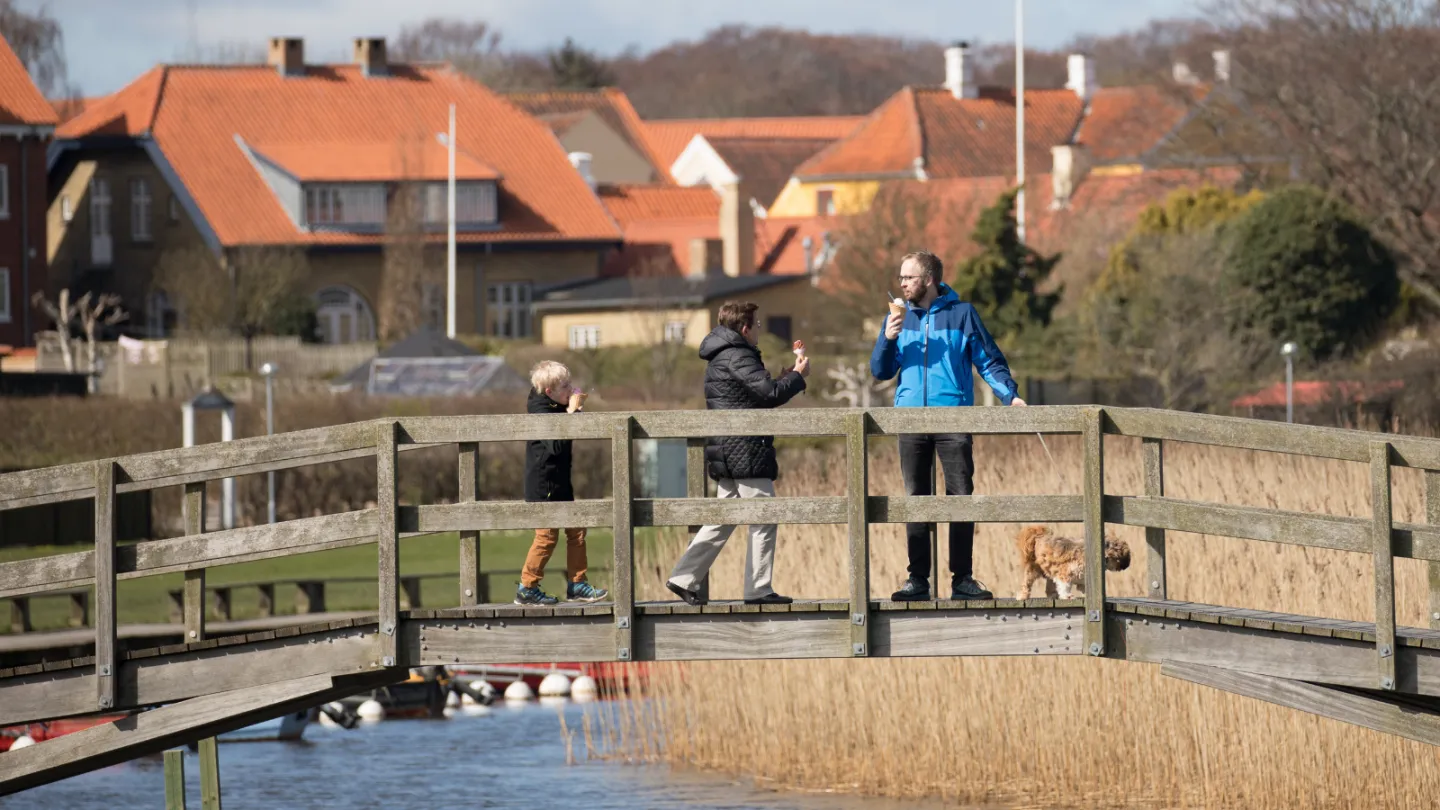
574 68
1002 281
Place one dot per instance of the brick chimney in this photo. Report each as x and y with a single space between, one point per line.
737 230
370 56
959 72
1081 78
287 55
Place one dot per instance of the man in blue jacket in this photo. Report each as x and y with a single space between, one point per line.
932 346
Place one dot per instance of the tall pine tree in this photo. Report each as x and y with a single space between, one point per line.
574 68
1002 280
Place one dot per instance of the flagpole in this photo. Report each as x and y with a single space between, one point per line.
450 235
1020 117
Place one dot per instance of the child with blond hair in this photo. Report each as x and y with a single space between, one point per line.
547 478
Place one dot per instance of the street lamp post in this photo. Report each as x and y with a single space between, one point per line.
1288 350
268 371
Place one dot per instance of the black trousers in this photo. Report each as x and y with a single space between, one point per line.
917 465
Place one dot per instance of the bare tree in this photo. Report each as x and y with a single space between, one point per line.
408 277
101 310
63 313
473 47
36 38
243 293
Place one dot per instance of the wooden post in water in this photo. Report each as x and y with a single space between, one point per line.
1094 532
470 588
1153 456
622 577
1432 516
193 600
1382 535
209 775
695 487
106 660
175 779
856 442
387 542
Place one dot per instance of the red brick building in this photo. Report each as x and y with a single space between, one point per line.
27 122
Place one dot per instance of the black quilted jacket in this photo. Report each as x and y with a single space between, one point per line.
547 462
736 379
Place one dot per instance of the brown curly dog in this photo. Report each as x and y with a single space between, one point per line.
1060 561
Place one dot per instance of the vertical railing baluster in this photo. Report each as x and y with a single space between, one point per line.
695 488
469 492
1094 532
1153 455
622 494
1432 516
856 444
106 670
1382 530
193 599
387 543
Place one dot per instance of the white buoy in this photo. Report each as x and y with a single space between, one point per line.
475 710
452 700
487 690
584 689
519 690
556 684
554 701
371 710
23 741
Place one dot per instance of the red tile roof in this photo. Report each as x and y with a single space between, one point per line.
613 107
765 164
1126 122
195 113
21 102
341 162
659 221
631 203
671 136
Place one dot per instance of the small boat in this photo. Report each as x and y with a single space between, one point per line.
423 696
285 728
49 730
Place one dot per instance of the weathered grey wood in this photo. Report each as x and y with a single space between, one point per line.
1038 419
1432 516
511 640
728 511
622 591
20 615
1094 493
469 492
974 508
696 487
503 427
209 756
192 609
1381 535
175 779
1390 718
1252 523
744 635
1153 461
105 585
778 422
387 540
502 515
1014 632
245 456
857 490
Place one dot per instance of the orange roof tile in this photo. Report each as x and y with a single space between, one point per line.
1126 122
613 107
195 113
670 137
21 102
342 161
632 203
887 142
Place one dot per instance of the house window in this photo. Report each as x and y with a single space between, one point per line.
67 211
344 316
474 203
507 309
779 326
4 191
674 331
4 295
824 201
342 205
101 245
174 209
159 315
140 209
584 337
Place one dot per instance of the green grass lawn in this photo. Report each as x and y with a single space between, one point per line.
146 599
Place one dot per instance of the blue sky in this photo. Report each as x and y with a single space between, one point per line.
109 42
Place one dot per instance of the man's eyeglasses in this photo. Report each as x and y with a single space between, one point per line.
904 279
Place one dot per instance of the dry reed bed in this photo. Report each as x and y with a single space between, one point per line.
1056 731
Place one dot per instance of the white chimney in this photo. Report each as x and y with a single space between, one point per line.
1082 76
1182 74
581 161
959 73
1068 165
1222 66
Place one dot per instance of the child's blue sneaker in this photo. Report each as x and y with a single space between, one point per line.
533 596
584 592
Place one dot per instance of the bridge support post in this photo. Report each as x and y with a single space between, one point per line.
1432 516
209 774
695 487
856 446
1094 635
622 497
175 779
469 492
106 664
192 608
1383 534
1153 457
387 542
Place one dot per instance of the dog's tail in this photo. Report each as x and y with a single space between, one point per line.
1027 538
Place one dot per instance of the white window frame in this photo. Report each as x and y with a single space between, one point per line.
675 331
475 203
67 208
507 308
344 205
141 207
5 315
4 191
584 337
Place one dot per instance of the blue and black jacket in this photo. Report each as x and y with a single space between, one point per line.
935 352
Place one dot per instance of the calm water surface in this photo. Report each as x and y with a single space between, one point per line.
509 757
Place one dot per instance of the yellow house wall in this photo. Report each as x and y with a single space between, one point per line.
797 199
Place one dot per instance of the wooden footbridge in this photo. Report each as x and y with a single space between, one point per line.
1373 674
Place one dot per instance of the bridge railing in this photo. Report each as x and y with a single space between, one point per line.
389 521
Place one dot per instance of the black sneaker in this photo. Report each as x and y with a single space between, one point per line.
690 597
771 598
969 588
915 589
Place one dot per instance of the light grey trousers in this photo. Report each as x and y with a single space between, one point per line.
705 547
